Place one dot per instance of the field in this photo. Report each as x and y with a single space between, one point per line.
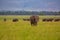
22 30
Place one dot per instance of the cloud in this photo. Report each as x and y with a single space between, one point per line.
51 3
36 5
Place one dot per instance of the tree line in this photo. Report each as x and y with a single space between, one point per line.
28 13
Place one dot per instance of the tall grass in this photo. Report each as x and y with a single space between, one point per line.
22 30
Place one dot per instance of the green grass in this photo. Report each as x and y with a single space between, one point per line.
22 30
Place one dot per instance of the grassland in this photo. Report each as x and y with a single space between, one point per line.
22 30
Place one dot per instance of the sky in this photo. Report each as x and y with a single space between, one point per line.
30 5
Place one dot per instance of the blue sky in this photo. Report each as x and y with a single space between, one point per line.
30 5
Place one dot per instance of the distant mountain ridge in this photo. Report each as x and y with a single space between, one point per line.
29 13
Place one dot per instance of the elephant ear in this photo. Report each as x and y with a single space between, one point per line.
37 18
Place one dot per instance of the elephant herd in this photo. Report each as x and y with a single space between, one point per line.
51 19
35 19
47 19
